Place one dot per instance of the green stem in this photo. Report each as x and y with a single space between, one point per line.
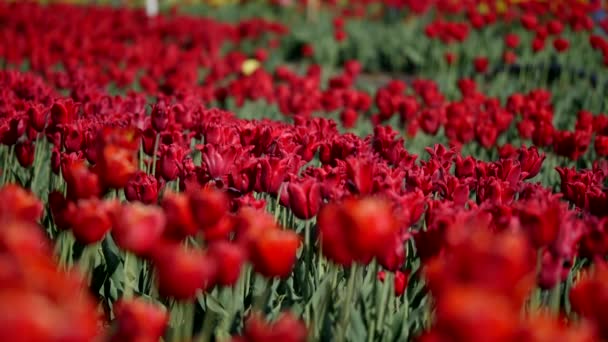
347 306
207 329
154 156
555 299
188 316
386 286
260 301
127 283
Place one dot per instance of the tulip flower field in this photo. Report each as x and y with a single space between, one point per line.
408 170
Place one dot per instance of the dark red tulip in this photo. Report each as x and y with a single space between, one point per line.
208 207
180 220
303 198
37 117
170 163
561 44
481 64
601 145
24 151
142 187
160 116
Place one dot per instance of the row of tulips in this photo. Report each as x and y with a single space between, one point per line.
177 217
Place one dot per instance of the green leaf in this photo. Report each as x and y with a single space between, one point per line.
215 306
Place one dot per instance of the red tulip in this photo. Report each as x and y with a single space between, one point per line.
25 153
229 258
529 21
358 229
138 320
117 165
555 26
511 40
180 220
137 227
142 187
348 117
81 182
601 145
307 50
18 204
90 220
170 163
274 252
509 57
360 172
63 112
538 44
208 206
181 273
561 44
339 35
450 58
286 328
37 117
303 198
481 64
160 116
60 209
400 281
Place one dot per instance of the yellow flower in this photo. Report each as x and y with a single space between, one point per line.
501 6
249 66
483 8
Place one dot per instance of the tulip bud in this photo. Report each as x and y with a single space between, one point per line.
25 153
